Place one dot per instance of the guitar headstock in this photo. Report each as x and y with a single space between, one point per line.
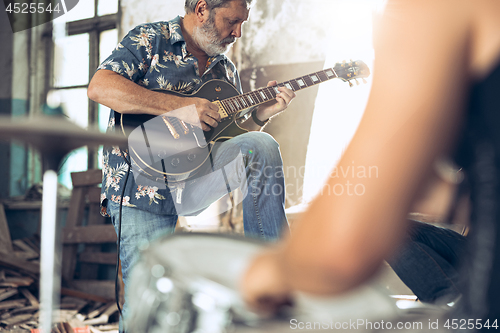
348 71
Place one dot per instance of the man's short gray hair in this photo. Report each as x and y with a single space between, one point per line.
190 5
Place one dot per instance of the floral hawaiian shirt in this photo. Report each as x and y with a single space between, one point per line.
154 55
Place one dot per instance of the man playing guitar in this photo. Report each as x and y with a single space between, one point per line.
181 55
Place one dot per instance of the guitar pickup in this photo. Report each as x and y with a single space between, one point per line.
222 112
184 127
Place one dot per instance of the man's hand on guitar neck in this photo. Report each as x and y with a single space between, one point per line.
268 110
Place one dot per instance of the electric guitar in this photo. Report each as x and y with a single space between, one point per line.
167 148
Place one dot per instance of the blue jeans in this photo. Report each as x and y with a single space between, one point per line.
263 206
429 262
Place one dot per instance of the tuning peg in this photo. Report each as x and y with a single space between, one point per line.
350 84
357 82
364 81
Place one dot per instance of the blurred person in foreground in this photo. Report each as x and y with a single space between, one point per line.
435 93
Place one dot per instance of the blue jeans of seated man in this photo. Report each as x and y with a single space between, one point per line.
429 262
263 206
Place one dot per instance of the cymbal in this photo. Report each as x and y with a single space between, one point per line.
53 134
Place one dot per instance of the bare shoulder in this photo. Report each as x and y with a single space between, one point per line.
469 27
485 35
425 15
425 21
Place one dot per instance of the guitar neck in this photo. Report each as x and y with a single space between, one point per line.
237 103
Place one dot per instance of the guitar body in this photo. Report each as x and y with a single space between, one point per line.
164 155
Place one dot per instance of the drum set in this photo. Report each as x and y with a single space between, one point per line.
55 137
189 283
186 282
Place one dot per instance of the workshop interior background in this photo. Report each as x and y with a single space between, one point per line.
283 39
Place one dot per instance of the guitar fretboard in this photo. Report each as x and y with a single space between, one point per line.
237 103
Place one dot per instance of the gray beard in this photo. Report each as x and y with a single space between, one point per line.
208 39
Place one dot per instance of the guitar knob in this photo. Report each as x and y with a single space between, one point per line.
162 154
191 157
175 162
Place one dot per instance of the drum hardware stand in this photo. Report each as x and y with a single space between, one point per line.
50 249
54 137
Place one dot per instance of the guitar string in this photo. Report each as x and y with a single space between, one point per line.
235 104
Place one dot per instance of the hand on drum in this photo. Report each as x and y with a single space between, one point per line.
264 286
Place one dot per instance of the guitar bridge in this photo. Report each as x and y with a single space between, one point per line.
171 128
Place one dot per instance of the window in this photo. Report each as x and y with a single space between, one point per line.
338 110
83 37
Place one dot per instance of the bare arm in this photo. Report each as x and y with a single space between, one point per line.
412 116
122 95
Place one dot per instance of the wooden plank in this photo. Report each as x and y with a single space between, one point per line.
91 271
26 309
23 246
95 217
29 325
26 251
12 272
84 189
90 234
30 205
104 317
26 255
17 319
94 195
12 304
98 258
8 293
103 288
33 244
29 296
74 219
73 303
98 311
22 266
5 240
63 316
17 281
76 207
84 295
86 178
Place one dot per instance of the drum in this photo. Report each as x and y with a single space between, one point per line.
189 283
